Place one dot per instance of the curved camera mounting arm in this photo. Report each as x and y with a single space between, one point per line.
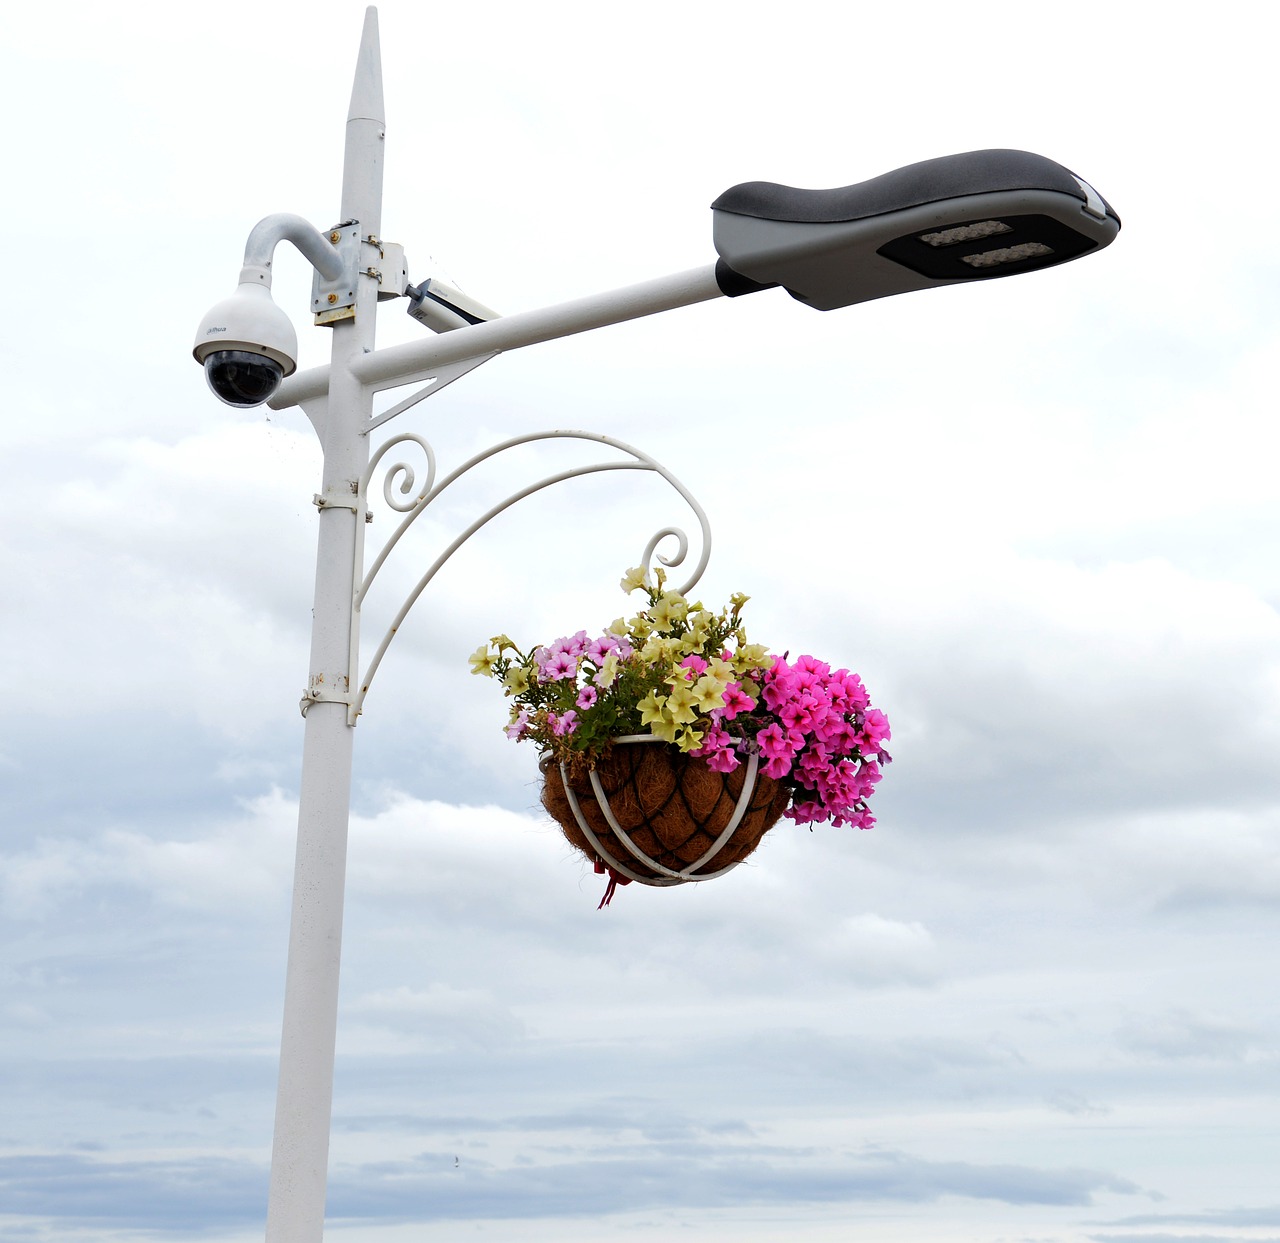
270 231
246 344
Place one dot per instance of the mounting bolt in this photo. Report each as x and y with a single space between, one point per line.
334 237
333 297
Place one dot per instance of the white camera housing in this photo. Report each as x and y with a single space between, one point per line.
246 345
442 308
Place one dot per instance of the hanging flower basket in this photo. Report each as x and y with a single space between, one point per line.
671 745
649 813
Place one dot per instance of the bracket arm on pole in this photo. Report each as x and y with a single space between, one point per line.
402 364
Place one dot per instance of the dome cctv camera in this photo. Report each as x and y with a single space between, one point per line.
242 378
246 345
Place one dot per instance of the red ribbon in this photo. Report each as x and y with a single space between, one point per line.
615 879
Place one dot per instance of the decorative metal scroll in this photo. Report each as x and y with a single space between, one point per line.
402 493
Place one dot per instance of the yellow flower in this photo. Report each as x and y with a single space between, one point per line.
680 705
652 709
633 580
501 642
750 656
641 625
660 649
663 729
699 630
516 680
689 739
691 644
738 600
618 626
708 693
608 671
481 661
721 670
669 608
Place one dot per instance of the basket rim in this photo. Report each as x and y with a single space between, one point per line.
666 875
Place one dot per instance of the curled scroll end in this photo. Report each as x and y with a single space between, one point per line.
677 556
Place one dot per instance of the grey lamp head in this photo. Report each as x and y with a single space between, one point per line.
975 216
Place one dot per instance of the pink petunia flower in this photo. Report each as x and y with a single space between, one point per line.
854 690
722 761
558 666
777 767
599 648
875 730
735 700
696 664
717 751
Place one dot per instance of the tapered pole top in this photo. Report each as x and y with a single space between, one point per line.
366 131
366 89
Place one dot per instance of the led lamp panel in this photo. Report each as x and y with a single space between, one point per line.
966 233
1009 254
1030 241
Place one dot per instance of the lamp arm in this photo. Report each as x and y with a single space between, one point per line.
418 360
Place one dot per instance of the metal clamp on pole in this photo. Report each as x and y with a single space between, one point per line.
318 692
342 500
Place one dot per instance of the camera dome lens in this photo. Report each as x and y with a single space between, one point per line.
241 378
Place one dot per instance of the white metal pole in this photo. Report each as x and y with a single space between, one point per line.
300 1153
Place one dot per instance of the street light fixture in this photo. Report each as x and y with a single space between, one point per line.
977 216
968 217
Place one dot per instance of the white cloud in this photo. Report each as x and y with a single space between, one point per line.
435 1016
871 949
246 862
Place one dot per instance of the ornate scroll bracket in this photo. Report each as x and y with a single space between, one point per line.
403 494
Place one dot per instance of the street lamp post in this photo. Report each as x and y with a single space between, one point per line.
960 218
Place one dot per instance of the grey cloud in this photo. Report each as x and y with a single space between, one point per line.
725 1178
609 1118
1179 1034
189 1197
1241 1217
1067 1101
198 1195
1151 1237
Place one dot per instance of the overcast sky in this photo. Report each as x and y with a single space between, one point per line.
1039 516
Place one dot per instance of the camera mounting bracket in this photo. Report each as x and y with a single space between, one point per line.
334 300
